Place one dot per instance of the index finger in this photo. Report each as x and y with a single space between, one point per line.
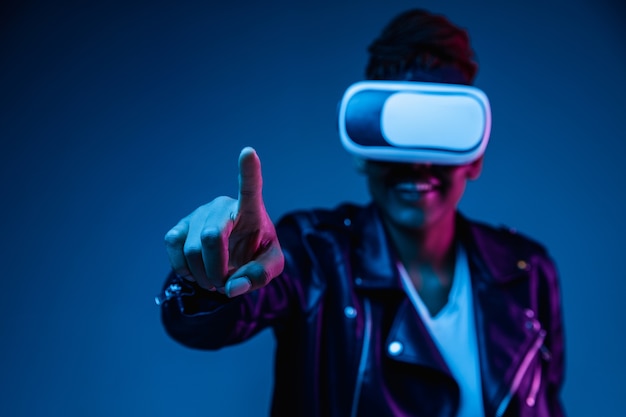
250 181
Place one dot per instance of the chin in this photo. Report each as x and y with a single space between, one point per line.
408 218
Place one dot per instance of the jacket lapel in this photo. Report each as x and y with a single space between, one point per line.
375 272
505 324
414 341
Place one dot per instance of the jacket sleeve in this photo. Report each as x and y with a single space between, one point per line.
202 319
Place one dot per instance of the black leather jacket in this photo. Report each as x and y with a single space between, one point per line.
339 303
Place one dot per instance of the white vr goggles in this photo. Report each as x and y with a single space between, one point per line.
407 121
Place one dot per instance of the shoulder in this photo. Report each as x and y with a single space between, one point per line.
504 237
324 232
505 251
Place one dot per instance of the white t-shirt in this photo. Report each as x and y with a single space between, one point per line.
454 332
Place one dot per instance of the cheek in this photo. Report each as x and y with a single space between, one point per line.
458 192
455 181
457 188
376 188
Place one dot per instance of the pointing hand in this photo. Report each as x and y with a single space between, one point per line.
229 245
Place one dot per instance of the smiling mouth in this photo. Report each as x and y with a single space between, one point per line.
414 191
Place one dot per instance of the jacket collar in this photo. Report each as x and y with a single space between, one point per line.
489 254
377 257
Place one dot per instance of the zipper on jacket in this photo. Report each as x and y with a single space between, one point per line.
364 356
531 399
521 371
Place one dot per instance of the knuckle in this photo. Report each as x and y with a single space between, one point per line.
217 204
211 236
222 199
192 250
173 237
223 203
265 278
260 274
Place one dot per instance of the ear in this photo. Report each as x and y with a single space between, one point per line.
474 168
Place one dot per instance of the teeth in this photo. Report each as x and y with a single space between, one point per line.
415 186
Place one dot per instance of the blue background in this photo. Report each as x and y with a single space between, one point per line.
117 119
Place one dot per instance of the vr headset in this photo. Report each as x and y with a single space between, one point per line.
407 121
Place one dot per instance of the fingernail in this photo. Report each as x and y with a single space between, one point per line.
238 286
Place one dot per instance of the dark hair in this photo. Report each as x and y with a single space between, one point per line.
421 46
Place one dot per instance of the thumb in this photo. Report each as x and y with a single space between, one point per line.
257 273
250 181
